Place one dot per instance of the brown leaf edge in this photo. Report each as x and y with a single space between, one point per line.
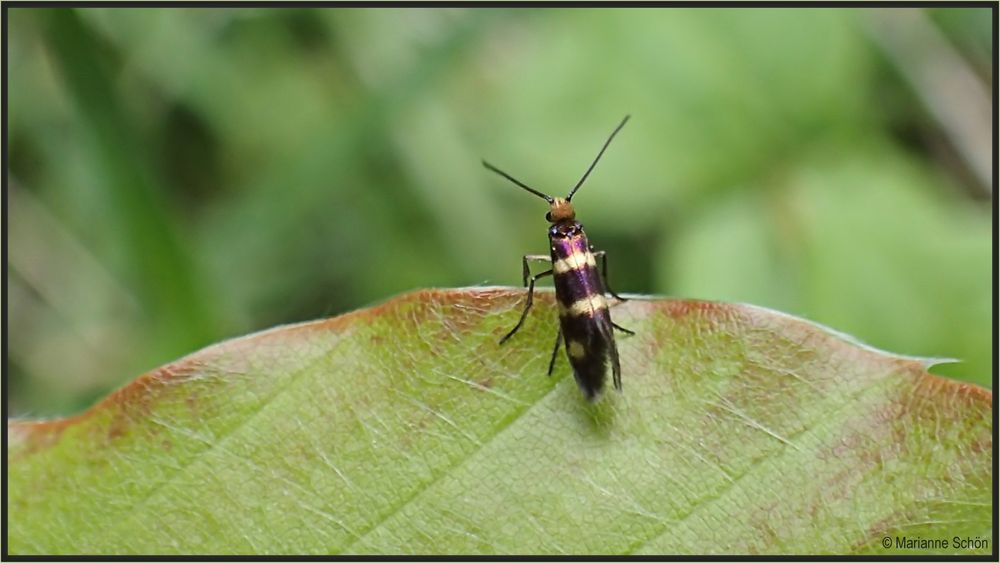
25 437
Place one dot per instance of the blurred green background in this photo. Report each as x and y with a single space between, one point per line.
181 176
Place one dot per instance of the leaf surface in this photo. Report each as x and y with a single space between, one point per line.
405 428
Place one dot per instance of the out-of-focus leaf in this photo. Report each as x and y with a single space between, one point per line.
714 102
405 428
158 264
868 245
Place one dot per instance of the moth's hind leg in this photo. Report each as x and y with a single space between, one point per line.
555 350
623 329
616 368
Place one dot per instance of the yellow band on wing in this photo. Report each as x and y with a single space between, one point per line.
575 261
589 306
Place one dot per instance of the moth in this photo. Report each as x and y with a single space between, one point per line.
584 319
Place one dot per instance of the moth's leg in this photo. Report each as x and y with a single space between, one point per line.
527 307
623 329
531 258
616 368
555 351
604 272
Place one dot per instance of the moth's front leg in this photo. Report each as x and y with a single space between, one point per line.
531 258
527 307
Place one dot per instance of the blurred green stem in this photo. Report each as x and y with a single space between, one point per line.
162 269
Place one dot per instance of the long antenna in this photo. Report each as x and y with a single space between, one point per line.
547 198
593 164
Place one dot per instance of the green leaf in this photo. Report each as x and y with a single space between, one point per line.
405 428
866 243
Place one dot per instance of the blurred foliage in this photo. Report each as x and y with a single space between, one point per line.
180 176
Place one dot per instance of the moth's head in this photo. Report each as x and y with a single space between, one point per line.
560 210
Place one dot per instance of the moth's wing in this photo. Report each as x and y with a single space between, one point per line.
595 334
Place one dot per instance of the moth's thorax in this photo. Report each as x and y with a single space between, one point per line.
567 239
565 230
573 266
